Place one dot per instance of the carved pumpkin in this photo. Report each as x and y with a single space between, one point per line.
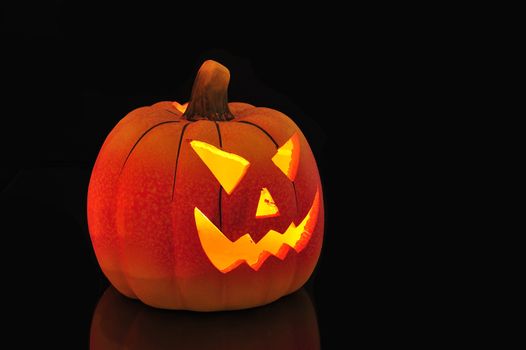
208 205
121 323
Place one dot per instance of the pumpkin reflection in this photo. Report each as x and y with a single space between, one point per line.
122 323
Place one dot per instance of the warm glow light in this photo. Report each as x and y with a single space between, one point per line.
228 168
287 157
226 255
181 108
266 206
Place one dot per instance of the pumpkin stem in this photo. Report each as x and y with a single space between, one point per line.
209 94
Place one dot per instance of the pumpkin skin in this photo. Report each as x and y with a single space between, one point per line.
121 323
148 181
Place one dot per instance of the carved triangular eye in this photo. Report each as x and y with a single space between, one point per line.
287 157
228 168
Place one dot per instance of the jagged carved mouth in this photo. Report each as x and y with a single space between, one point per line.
226 255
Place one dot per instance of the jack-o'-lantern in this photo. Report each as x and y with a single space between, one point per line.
208 205
121 323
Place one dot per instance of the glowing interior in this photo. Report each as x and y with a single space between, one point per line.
226 255
180 107
266 206
288 156
228 168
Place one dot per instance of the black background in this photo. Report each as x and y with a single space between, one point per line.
70 72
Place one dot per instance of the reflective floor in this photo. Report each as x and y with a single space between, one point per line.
122 323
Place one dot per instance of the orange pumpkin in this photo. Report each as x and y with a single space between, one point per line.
206 206
121 323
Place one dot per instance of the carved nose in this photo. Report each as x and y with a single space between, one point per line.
266 206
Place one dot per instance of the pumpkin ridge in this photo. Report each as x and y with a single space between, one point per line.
220 188
172 113
295 196
118 237
142 136
177 157
219 134
260 128
220 214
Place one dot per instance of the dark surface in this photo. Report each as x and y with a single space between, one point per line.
70 73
